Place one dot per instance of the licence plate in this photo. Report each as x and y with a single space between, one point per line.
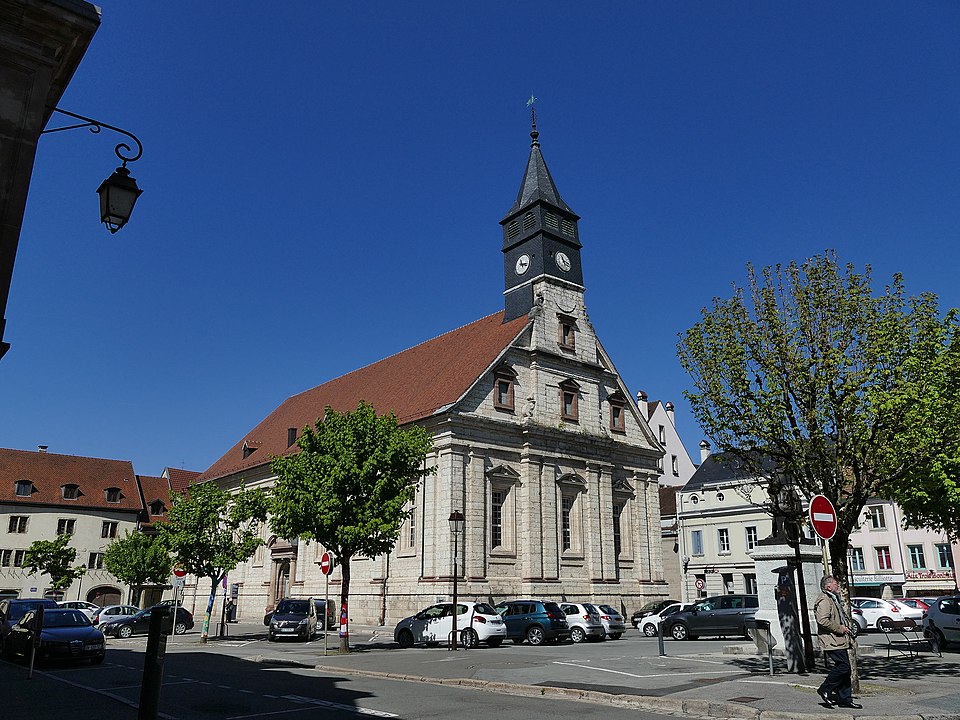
287 629
87 648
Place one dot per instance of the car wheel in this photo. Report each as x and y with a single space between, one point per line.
577 635
679 632
535 635
125 631
650 630
180 628
854 629
881 621
494 642
469 638
616 636
937 641
271 638
405 638
97 660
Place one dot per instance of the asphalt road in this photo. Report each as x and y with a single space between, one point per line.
231 688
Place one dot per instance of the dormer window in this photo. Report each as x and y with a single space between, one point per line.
566 332
112 495
157 508
569 392
504 383
24 488
618 412
249 448
70 492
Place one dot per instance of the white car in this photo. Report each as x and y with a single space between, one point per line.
874 610
650 623
114 612
87 608
477 622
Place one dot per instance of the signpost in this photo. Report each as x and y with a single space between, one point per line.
326 567
823 517
179 572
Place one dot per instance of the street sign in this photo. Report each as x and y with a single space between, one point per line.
326 563
823 517
178 582
700 584
179 570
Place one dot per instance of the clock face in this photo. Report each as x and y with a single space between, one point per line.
523 264
563 262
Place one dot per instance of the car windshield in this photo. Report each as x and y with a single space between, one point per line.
293 607
670 609
552 607
64 618
592 609
651 606
484 609
609 610
19 609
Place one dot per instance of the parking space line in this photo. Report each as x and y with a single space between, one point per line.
105 693
634 675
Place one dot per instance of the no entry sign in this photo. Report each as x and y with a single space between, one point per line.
179 570
326 563
823 517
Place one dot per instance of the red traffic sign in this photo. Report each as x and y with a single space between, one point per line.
823 517
326 563
179 570
700 584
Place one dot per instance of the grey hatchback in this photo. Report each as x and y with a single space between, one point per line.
723 615
536 621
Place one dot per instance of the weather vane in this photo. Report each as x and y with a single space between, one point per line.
531 103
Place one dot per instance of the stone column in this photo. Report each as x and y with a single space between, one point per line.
531 543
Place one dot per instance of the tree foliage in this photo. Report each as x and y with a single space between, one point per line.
349 486
138 559
210 531
54 558
852 393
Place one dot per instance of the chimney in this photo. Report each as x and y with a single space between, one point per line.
642 404
669 408
704 451
42 448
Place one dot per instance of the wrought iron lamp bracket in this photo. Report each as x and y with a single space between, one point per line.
95 127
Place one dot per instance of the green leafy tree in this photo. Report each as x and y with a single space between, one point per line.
349 485
851 393
210 531
54 558
138 559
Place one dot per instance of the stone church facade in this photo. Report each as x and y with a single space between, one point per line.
535 439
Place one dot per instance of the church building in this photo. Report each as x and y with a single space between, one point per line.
536 440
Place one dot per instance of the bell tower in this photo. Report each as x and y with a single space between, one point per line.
540 237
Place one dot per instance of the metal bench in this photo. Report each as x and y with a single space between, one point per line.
904 636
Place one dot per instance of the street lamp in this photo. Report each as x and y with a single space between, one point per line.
119 192
457 523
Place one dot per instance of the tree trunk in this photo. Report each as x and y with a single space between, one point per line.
206 616
344 595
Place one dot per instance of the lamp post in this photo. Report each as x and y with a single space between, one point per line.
119 192
457 523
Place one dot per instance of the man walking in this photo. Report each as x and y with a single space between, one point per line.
834 634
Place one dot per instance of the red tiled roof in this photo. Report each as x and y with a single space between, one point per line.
180 480
413 384
155 488
49 471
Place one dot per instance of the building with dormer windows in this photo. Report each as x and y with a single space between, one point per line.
535 436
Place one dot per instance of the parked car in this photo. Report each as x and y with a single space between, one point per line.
942 622
922 604
293 617
87 608
874 610
67 634
722 615
12 609
650 624
613 623
140 623
584 621
650 608
477 622
859 621
536 621
114 612
328 616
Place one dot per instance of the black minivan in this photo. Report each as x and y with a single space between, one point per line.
723 615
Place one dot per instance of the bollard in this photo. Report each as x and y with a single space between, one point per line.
153 664
663 652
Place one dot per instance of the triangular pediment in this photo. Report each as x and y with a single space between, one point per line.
503 472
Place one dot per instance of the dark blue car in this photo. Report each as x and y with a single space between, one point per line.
66 635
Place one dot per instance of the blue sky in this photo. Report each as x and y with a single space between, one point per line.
323 184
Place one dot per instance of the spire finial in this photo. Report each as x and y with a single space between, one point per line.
531 103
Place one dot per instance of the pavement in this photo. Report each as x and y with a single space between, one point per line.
732 681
